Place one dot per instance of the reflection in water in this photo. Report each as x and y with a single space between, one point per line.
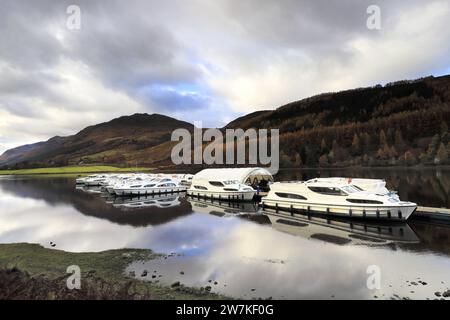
342 231
235 245
156 201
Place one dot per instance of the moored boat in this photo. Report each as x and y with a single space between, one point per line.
338 197
231 184
150 186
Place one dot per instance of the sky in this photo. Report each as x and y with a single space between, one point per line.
200 60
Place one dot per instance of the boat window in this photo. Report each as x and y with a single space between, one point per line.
228 182
149 186
135 186
331 191
216 183
290 195
230 189
364 201
351 189
200 188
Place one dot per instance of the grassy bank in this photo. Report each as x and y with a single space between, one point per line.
72 170
30 271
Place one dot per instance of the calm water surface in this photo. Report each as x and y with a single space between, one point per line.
234 249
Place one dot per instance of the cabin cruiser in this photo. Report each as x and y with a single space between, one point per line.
96 180
221 189
340 197
82 180
149 186
119 180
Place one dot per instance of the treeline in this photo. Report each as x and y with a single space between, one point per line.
403 123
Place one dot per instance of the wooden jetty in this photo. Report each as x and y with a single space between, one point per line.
432 213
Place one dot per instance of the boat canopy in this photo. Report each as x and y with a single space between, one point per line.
243 175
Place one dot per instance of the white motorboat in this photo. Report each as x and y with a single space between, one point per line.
96 180
221 189
233 184
82 180
119 180
340 197
150 186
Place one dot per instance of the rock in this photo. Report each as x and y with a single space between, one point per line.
153 276
414 283
176 284
215 283
253 289
181 272
144 273
446 294
437 294
208 288
424 283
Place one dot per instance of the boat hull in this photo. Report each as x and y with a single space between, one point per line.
394 212
228 196
130 192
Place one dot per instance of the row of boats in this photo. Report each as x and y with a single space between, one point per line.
345 197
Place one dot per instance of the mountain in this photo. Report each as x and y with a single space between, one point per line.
400 123
125 140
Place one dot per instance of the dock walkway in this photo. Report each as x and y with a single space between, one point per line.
432 213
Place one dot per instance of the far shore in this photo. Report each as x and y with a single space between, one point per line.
74 170
84 170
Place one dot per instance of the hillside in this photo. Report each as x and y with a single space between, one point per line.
401 123
125 140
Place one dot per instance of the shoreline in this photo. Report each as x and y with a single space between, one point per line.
66 171
27 269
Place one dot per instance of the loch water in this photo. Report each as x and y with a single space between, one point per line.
237 249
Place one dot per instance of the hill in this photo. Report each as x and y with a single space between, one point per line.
125 140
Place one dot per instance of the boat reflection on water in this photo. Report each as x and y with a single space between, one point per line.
90 189
246 210
158 201
342 231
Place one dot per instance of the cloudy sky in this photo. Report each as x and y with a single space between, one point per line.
199 59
